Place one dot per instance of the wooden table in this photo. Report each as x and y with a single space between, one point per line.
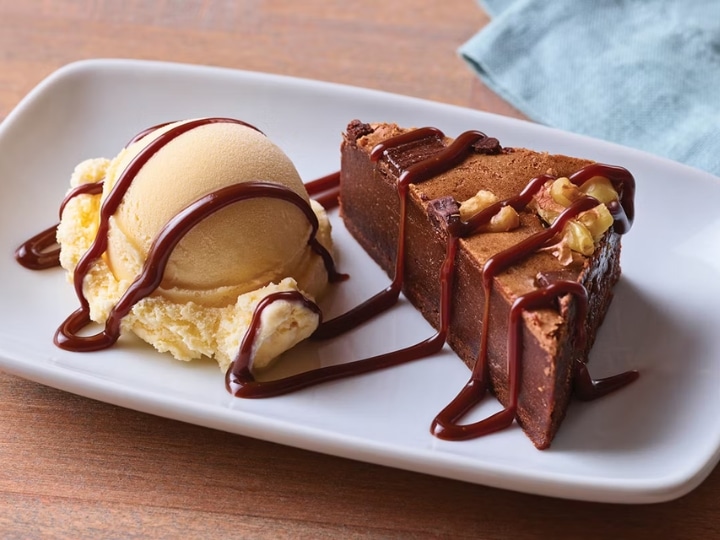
72 467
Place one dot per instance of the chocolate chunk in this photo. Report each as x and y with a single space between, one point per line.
402 157
357 129
545 279
443 211
488 146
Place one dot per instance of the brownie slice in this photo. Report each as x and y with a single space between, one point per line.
370 208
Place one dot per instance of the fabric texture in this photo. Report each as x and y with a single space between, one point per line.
642 73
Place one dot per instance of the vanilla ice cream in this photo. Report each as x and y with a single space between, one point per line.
224 265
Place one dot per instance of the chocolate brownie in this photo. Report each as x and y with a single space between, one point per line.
562 292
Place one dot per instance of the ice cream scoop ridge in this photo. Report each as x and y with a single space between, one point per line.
197 221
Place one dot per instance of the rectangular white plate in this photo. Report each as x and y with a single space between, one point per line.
651 442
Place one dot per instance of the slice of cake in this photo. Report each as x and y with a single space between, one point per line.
526 244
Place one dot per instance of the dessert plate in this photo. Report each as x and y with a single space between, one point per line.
653 441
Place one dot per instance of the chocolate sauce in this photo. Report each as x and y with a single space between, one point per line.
325 190
117 194
42 250
145 132
408 137
239 378
586 388
162 247
623 182
39 252
149 130
67 335
241 382
438 163
446 424
91 188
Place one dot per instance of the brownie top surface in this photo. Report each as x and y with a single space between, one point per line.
504 174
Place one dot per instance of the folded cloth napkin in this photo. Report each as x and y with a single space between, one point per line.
642 73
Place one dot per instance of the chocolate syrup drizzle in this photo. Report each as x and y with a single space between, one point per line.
42 250
152 272
446 425
38 253
67 335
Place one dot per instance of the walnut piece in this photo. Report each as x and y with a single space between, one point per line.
506 218
582 233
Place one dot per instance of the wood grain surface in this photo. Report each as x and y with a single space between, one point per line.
71 467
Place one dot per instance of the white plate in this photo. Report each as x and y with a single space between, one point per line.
653 441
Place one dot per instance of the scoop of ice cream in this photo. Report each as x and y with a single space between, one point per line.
238 249
223 267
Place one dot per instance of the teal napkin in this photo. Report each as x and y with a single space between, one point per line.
642 73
